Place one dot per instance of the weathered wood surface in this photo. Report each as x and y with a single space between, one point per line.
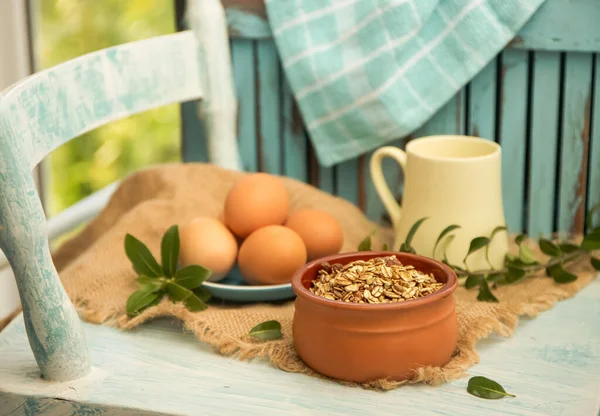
552 365
41 113
559 25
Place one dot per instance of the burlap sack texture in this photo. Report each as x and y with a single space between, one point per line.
99 278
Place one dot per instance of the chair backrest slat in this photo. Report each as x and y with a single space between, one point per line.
51 107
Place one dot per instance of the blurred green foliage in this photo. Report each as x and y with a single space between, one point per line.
70 28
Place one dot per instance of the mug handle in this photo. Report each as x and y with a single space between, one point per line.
381 186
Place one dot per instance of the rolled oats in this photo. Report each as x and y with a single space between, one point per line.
378 280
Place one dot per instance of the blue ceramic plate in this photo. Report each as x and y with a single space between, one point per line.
235 289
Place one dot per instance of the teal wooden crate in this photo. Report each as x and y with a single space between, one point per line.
536 99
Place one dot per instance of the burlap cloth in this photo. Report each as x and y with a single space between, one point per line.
99 278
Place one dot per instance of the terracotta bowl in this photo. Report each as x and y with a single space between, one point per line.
364 342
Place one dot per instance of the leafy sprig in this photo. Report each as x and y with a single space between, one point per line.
157 280
515 267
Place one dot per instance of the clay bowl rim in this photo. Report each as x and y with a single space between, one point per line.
448 288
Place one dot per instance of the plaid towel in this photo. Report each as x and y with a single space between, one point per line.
365 72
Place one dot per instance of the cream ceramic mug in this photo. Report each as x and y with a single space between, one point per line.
450 180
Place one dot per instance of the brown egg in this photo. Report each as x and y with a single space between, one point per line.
271 255
257 200
208 243
321 233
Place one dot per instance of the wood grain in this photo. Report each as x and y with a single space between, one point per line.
552 365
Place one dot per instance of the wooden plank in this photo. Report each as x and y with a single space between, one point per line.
242 55
513 134
268 111
593 191
558 25
482 103
450 119
550 363
295 146
320 176
347 180
575 141
562 25
543 142
193 140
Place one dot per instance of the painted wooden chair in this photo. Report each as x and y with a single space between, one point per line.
538 101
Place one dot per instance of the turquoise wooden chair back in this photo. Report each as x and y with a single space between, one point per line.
41 113
538 99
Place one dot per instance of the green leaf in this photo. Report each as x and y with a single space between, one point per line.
140 300
203 294
191 277
595 263
514 274
591 242
169 251
526 255
485 388
365 244
177 293
476 244
152 283
141 258
552 270
520 238
485 294
568 247
549 248
413 231
385 247
560 275
487 247
473 280
406 249
195 303
589 218
443 234
267 331
499 278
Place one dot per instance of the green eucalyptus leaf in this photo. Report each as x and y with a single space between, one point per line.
385 247
552 270
404 248
267 331
365 244
140 300
413 231
549 248
595 263
520 239
485 388
476 244
589 218
514 274
560 275
526 255
169 251
194 303
141 258
485 294
487 247
191 277
202 293
443 234
568 247
177 293
591 242
152 283
473 280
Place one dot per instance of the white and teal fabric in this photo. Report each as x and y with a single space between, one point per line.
365 72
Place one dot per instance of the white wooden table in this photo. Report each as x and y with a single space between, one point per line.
552 364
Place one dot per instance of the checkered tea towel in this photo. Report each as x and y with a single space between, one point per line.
365 72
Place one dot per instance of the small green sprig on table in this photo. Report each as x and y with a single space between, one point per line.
516 267
156 280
